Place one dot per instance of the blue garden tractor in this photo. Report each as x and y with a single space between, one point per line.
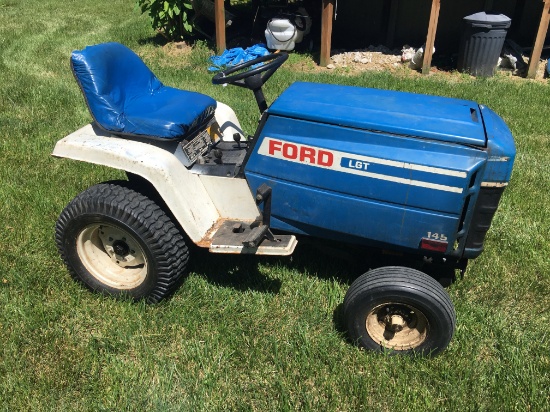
416 177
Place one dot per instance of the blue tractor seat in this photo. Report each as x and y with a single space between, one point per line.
126 98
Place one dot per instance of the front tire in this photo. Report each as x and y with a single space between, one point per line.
401 310
119 242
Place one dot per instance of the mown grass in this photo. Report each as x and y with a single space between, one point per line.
243 333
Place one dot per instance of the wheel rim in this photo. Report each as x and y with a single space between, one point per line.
397 326
112 256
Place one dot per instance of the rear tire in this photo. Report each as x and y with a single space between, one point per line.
119 242
401 310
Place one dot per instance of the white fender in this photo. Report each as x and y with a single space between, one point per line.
197 202
229 124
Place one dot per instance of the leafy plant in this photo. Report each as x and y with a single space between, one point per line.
172 18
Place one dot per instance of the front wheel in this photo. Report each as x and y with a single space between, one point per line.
401 310
119 242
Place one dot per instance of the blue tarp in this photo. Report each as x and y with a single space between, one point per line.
238 55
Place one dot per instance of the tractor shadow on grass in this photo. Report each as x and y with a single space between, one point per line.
239 272
313 257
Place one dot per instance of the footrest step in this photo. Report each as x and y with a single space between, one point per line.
240 237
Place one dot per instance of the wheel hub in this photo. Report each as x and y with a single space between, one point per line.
112 255
397 326
121 248
395 323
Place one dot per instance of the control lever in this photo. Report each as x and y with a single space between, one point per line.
237 139
217 156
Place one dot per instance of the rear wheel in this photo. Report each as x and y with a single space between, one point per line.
399 309
119 242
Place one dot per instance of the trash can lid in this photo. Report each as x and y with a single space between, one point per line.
493 20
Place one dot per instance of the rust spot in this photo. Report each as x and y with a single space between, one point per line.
206 241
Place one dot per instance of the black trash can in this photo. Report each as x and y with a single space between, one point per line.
482 43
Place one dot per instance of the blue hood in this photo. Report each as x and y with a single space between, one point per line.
409 114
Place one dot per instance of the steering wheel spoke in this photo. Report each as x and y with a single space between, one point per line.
240 83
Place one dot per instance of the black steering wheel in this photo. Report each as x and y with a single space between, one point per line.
252 79
240 79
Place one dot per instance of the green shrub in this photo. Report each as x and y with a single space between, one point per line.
171 18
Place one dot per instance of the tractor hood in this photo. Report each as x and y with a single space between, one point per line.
431 117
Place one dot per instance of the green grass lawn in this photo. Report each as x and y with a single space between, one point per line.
243 333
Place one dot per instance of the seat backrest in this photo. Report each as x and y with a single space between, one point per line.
110 74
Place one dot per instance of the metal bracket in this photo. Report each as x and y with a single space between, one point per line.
263 195
261 231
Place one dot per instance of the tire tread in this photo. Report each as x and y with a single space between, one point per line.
381 280
120 201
